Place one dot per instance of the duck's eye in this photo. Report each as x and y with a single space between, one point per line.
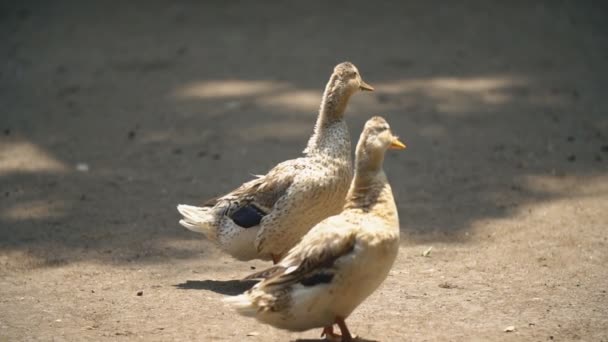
355 74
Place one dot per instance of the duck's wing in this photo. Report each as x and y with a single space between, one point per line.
250 202
266 274
315 258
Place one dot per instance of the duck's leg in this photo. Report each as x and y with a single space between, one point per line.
329 334
275 258
346 336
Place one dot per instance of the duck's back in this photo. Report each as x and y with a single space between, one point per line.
317 192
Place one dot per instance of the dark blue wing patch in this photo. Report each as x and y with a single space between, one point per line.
319 278
248 216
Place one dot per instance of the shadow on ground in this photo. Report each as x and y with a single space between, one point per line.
103 139
356 339
225 287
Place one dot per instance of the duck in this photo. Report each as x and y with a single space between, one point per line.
266 216
340 261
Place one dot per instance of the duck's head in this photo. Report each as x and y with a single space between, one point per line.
348 78
378 137
375 139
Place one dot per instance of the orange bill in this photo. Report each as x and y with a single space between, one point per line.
396 144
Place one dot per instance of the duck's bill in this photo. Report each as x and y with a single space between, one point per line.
365 86
396 144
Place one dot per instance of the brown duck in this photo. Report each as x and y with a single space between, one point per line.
265 217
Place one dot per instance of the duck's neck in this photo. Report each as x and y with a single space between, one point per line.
368 166
370 189
330 127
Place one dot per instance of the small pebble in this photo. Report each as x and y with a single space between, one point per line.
140 293
82 167
571 158
23 13
510 328
232 105
131 135
383 98
448 285
182 50
575 94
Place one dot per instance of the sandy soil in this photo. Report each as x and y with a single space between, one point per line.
111 115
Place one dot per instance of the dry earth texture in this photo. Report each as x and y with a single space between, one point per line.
114 112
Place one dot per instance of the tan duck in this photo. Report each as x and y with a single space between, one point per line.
342 260
265 217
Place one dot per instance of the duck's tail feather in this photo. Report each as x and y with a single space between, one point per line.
199 219
265 274
242 304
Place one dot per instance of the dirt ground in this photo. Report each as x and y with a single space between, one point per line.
111 114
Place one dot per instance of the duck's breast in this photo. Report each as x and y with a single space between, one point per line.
363 271
237 241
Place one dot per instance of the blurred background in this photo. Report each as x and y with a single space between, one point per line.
113 113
